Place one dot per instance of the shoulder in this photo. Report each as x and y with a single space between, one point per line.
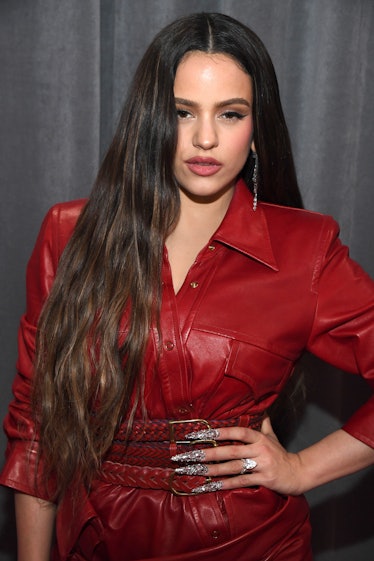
55 232
67 213
301 238
60 221
296 218
290 225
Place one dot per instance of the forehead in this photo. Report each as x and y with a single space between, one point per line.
199 70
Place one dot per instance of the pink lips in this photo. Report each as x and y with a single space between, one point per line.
203 166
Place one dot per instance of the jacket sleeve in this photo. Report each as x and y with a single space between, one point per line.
343 329
20 465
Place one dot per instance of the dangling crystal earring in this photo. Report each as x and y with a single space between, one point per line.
254 180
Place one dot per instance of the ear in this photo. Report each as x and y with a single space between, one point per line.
253 147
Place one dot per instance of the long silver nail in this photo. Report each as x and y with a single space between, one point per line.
193 456
208 487
195 469
206 434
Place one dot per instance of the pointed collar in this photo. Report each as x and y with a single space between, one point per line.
246 230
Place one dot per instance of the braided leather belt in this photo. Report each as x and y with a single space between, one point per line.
143 460
165 429
150 478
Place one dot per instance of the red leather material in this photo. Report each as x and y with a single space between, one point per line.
270 285
245 525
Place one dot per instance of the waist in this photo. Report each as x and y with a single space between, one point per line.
142 459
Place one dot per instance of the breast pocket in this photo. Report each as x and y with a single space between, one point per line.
262 371
229 376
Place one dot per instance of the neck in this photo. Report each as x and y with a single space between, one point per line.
198 214
197 222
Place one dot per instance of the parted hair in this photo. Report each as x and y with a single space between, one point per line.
87 380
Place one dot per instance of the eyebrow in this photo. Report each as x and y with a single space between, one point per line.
224 103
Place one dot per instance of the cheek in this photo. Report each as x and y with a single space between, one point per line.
181 142
241 141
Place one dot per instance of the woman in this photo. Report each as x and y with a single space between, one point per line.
168 312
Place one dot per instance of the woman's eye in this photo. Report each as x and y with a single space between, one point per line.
232 115
183 114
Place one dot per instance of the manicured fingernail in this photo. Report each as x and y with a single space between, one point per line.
208 487
193 456
195 469
207 434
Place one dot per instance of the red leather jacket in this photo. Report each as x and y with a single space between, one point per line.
269 285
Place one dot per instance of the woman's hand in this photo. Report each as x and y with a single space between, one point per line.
275 468
336 455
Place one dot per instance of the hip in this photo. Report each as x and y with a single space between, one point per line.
253 524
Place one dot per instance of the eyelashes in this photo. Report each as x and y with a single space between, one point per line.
184 114
233 115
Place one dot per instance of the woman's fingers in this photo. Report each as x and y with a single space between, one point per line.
240 434
216 454
234 467
254 458
227 475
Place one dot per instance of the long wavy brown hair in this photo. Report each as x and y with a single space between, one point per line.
85 379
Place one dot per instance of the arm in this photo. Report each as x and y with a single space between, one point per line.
336 455
22 471
35 523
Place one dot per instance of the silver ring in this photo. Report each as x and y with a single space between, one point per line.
248 465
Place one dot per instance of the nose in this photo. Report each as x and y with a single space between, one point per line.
205 134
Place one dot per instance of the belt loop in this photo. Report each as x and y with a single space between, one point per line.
173 448
252 421
244 421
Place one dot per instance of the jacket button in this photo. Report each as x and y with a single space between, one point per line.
194 284
169 345
215 534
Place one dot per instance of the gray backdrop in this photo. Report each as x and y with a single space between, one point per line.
65 67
